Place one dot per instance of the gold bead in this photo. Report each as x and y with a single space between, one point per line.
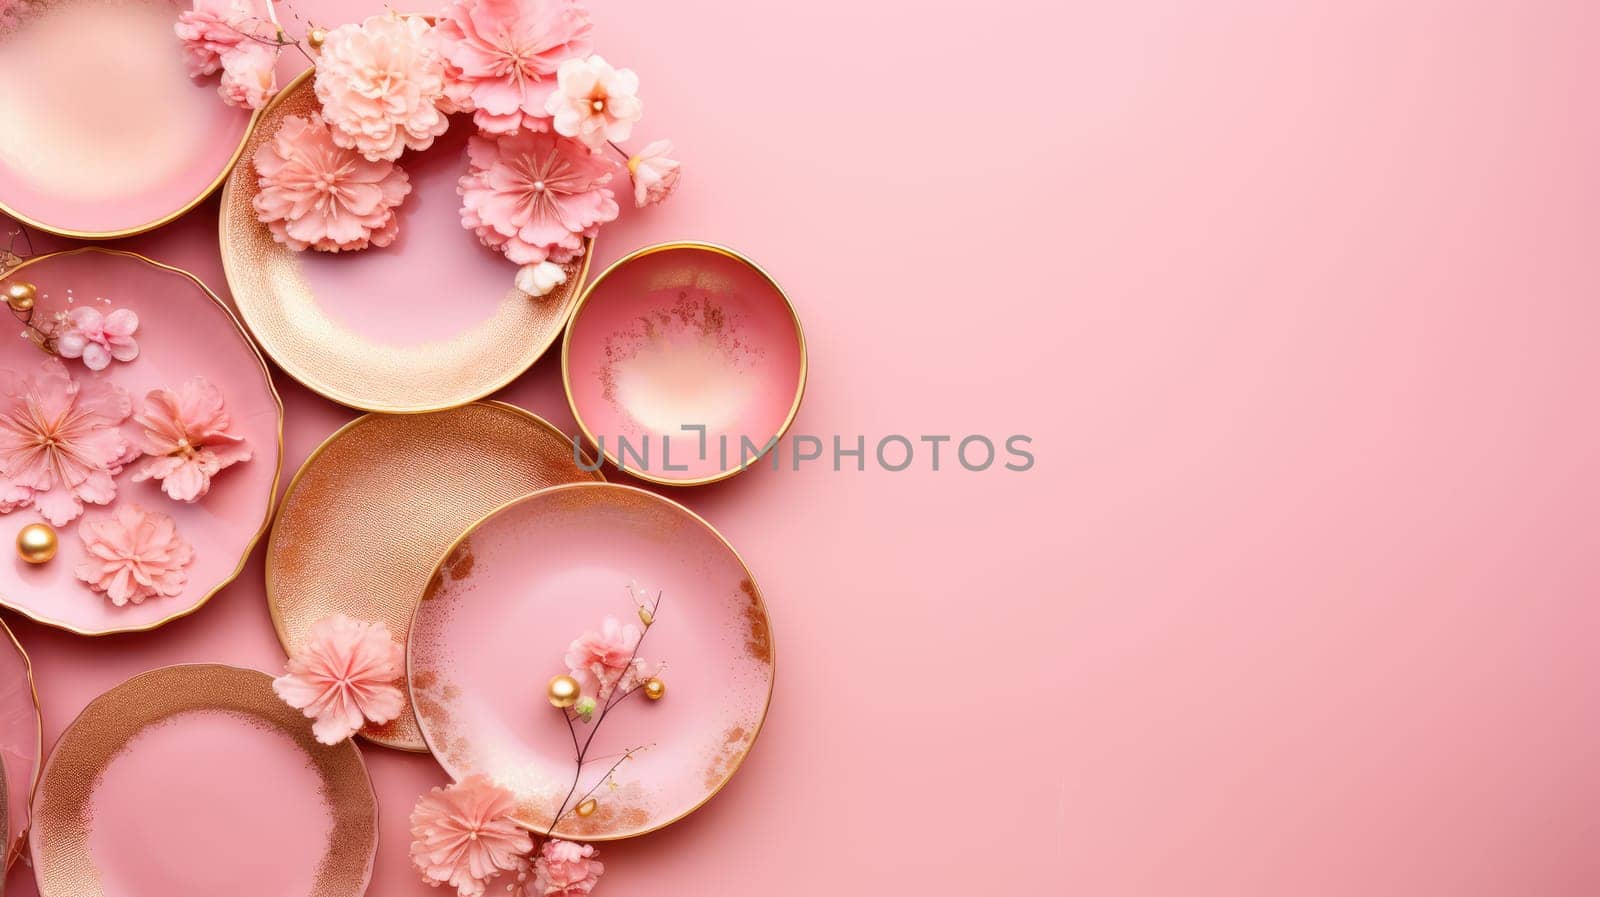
655 689
564 691
315 37
20 295
645 616
588 807
36 543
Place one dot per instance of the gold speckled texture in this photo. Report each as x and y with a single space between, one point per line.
374 508
277 303
5 830
64 866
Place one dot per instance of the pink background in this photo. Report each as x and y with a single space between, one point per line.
1298 303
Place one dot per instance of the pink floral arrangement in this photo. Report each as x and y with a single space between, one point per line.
549 114
60 441
344 675
132 554
187 439
98 338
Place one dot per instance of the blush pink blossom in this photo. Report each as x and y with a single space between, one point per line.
248 79
344 675
654 175
595 102
210 29
132 554
564 869
501 57
535 196
465 835
60 445
318 195
381 83
187 438
602 661
98 338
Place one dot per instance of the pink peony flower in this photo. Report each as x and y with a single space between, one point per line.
210 29
343 676
595 102
464 835
98 338
564 869
654 175
381 83
535 197
59 442
248 80
132 554
602 661
315 194
186 439
501 57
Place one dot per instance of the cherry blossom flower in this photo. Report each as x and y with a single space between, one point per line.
464 835
381 83
318 195
248 79
535 197
343 676
187 439
564 869
595 102
654 175
210 29
501 57
98 338
132 554
603 661
59 441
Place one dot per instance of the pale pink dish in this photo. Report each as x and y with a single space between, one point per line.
20 746
196 780
683 362
537 573
102 132
184 332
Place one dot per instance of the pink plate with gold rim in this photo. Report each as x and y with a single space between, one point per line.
184 332
20 744
535 574
197 780
102 131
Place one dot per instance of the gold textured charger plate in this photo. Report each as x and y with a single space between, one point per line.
21 745
369 514
197 780
429 322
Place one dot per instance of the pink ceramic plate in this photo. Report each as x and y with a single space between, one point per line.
20 744
184 332
683 362
102 132
197 780
538 572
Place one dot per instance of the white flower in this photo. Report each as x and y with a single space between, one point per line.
539 279
654 175
594 102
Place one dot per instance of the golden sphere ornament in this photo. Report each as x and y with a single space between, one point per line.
564 692
588 807
655 689
20 295
316 37
36 543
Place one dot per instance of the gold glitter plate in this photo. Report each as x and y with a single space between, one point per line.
430 322
197 779
370 512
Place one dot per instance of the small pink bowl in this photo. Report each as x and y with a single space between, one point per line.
684 363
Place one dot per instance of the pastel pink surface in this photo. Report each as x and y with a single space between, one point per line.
1297 302
112 145
182 334
684 337
538 574
19 742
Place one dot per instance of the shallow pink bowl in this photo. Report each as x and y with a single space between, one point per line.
674 338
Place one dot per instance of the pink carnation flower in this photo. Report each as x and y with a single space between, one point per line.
501 57
248 79
98 338
344 675
211 28
315 194
132 554
187 439
654 175
60 444
535 197
564 869
381 83
464 835
595 102
602 661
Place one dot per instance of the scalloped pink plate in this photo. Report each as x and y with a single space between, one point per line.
536 574
102 132
19 742
184 332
